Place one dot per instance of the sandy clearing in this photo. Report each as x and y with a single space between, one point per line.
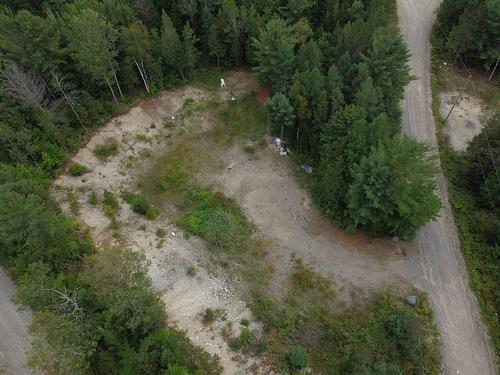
270 196
466 120
185 297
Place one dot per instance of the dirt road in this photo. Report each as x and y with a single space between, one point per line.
13 324
465 346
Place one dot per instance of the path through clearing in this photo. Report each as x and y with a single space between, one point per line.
465 345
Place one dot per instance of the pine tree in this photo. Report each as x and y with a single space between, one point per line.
274 53
171 46
281 113
392 189
92 45
190 54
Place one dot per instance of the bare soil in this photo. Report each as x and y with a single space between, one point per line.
183 270
465 121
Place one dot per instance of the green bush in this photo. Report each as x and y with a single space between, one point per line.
243 340
105 150
110 204
297 357
77 170
141 205
216 219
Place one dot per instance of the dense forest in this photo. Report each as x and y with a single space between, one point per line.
471 28
337 68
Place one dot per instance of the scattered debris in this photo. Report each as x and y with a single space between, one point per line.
307 168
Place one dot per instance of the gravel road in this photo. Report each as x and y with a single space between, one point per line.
439 266
13 324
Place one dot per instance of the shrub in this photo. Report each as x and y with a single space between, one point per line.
209 316
74 205
217 220
141 205
110 204
77 170
297 357
141 137
106 150
160 233
243 340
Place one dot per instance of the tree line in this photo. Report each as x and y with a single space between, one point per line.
337 102
470 30
338 69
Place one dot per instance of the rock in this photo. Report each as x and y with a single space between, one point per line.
411 300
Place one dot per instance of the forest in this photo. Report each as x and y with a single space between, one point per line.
337 68
476 43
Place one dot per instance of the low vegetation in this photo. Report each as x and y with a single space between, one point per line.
140 204
385 335
105 150
77 169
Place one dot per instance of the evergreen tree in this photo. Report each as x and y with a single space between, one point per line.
92 44
392 189
274 53
281 113
309 57
189 55
388 64
171 45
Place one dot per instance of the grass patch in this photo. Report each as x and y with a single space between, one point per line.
216 219
105 150
93 199
74 205
140 204
243 119
479 255
192 108
77 169
141 137
208 79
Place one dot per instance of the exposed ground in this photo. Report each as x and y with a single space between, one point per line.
436 255
465 121
183 270
13 329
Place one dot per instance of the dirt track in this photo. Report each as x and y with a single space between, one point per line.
13 327
438 259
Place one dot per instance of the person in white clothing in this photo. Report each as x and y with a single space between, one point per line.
222 83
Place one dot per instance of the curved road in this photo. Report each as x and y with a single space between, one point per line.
13 328
439 266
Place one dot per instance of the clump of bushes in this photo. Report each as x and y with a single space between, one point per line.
77 169
297 357
105 150
140 204
217 219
